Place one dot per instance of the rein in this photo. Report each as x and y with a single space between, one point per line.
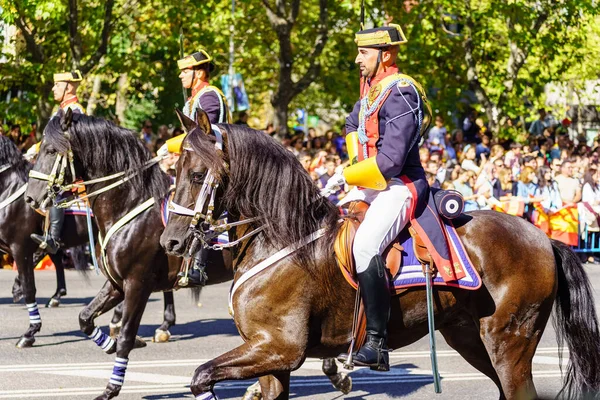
55 183
4 167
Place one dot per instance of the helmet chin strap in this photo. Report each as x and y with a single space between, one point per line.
64 93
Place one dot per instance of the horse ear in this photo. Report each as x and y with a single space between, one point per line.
187 123
203 121
66 119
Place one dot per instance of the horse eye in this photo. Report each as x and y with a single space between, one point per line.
51 151
197 177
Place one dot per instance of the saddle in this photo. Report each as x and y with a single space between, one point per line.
392 255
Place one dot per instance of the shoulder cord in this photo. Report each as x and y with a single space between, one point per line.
196 105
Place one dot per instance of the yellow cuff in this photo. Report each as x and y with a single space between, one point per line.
352 147
365 174
174 144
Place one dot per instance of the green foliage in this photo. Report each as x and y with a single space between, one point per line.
144 44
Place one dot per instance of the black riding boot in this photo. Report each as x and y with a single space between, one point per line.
375 295
51 243
197 275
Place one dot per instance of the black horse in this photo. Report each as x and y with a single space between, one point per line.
18 222
136 265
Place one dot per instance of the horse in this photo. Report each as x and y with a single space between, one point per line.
18 222
301 306
134 262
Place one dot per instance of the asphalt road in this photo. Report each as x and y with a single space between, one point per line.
64 364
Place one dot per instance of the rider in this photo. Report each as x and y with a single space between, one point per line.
195 73
384 129
65 92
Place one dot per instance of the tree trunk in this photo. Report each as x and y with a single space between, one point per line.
93 100
44 111
121 104
280 118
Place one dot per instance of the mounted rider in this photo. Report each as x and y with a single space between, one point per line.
195 75
383 133
65 93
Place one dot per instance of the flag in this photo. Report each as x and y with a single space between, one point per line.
513 206
562 225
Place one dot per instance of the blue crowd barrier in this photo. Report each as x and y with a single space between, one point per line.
589 242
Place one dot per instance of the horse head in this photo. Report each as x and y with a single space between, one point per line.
55 163
201 181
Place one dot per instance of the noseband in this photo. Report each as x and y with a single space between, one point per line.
203 227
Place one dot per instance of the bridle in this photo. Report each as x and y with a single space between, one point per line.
57 174
203 227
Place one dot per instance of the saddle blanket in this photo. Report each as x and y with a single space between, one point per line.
223 238
411 273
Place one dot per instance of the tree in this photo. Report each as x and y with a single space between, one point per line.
41 26
504 53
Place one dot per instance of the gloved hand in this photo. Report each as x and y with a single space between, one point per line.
163 151
32 152
335 182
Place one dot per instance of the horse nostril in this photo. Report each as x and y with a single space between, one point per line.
172 245
29 200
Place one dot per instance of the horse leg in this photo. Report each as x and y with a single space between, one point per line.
136 297
463 336
276 386
17 290
115 322
251 359
27 279
162 334
340 380
61 284
511 337
105 300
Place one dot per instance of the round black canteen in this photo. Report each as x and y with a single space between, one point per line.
450 203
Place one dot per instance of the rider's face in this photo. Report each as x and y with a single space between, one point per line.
58 90
187 76
366 60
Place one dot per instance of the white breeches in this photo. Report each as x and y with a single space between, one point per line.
384 220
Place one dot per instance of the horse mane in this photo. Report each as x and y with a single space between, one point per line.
266 180
10 154
105 148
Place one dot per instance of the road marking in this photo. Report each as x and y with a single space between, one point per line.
242 385
197 362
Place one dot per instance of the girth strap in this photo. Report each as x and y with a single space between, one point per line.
116 227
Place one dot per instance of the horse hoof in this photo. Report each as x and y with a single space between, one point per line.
161 336
25 342
139 342
342 382
53 303
253 392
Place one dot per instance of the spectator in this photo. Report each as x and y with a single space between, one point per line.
463 185
569 188
470 127
526 189
331 163
467 161
591 190
483 147
537 127
146 134
17 138
548 190
438 131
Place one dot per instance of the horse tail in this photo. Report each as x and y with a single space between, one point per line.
576 323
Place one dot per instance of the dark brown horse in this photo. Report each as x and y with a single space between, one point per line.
302 307
136 263
18 222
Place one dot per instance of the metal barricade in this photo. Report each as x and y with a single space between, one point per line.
589 241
